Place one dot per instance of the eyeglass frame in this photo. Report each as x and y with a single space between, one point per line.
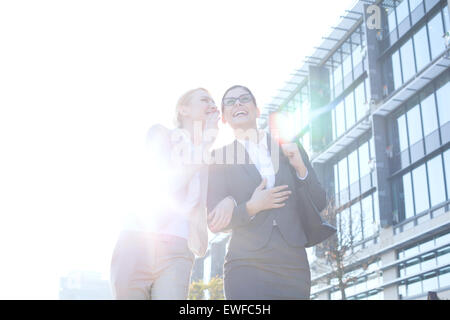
237 99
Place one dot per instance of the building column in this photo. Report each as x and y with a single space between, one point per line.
390 292
382 167
319 89
374 20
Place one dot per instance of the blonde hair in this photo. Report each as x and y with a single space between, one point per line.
184 100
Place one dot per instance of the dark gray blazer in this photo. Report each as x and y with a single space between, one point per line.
299 220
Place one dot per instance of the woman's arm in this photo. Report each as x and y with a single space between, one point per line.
166 156
312 184
225 214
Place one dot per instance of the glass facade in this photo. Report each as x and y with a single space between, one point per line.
349 110
365 286
353 173
423 187
414 118
425 266
415 52
347 63
418 135
298 108
350 101
403 15
358 216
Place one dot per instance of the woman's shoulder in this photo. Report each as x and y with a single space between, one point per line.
158 132
158 129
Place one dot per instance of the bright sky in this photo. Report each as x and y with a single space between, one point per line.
80 84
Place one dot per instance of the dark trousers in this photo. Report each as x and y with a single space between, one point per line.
275 272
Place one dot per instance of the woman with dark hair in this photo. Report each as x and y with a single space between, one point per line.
276 216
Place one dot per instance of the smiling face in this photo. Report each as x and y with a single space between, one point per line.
199 105
239 109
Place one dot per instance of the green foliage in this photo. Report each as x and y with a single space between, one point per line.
196 291
215 288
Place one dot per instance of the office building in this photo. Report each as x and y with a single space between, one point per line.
371 105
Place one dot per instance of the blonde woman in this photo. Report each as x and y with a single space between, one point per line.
154 261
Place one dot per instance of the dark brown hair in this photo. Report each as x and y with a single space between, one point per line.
238 86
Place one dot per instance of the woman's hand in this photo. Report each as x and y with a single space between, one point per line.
292 152
266 199
220 217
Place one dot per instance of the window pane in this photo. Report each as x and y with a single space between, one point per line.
411 251
333 123
356 223
407 195
408 65
422 49
427 245
402 290
360 98
420 189
436 31
347 64
430 282
429 115
443 239
428 261
402 133
337 74
436 179
414 4
396 69
376 210
357 55
364 159
353 164
444 277
414 125
350 110
413 266
446 19
338 227
372 147
336 179
340 119
402 11
345 227
447 171
414 287
391 20
343 174
367 216
443 99
443 256
336 295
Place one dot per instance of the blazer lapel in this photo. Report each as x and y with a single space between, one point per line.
279 160
248 167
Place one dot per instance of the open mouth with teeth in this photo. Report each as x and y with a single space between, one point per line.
240 113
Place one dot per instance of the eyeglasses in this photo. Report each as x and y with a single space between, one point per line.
245 98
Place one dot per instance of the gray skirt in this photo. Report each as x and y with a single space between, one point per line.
275 272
